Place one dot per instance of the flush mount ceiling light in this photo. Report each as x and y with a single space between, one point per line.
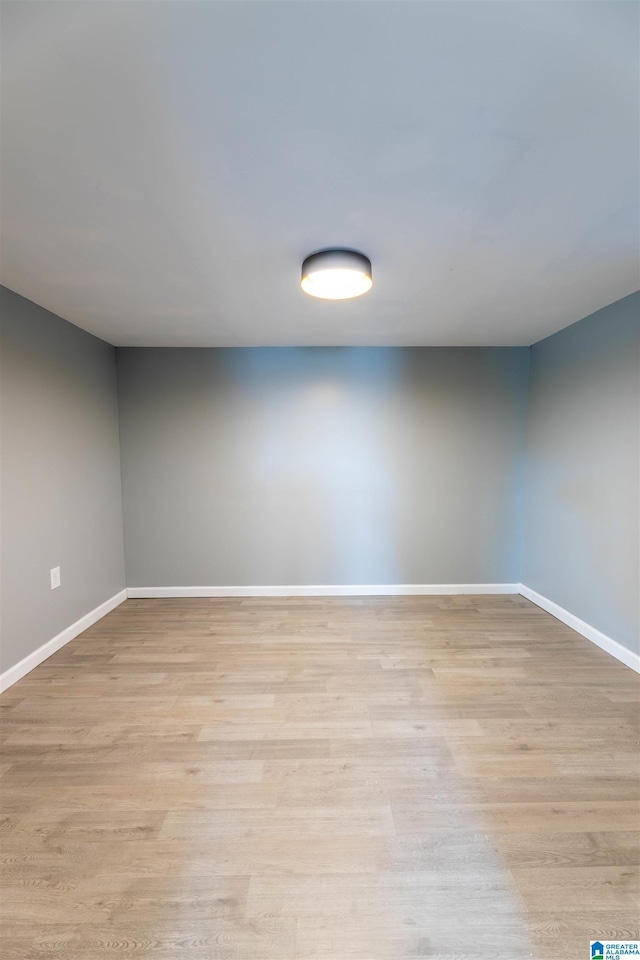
336 274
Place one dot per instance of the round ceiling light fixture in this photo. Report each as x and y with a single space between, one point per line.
336 274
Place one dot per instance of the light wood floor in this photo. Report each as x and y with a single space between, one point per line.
336 779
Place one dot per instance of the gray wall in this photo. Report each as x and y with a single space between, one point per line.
319 465
311 466
60 491
582 524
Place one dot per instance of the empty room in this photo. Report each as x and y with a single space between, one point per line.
320 480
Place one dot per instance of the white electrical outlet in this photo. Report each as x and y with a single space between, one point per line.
55 577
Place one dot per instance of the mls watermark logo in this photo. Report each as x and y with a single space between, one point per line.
614 949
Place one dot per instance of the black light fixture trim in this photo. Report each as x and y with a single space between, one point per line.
353 264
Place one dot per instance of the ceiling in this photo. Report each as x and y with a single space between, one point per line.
168 166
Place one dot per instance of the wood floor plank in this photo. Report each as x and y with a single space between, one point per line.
320 779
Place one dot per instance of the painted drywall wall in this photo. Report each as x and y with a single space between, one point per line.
583 484
322 466
312 466
60 490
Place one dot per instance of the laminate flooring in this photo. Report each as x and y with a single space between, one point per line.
320 779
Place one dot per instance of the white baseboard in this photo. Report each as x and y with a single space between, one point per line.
611 646
20 669
335 590
628 657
